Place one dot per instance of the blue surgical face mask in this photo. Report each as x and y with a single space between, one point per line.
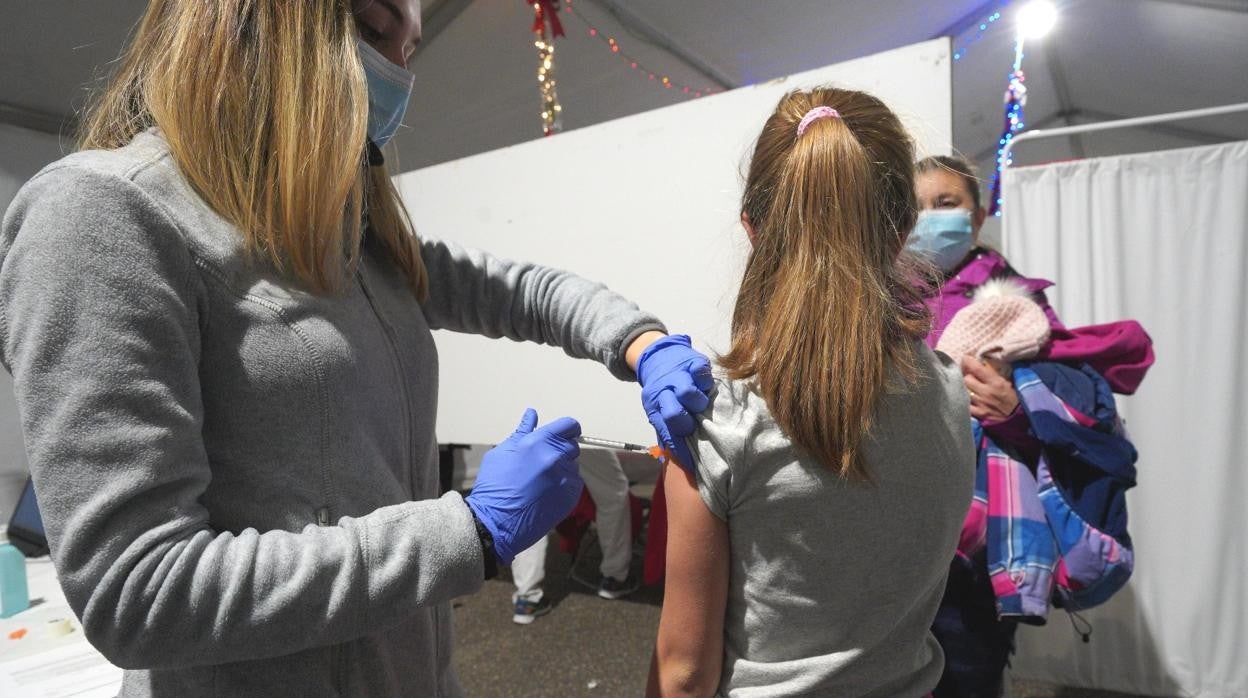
942 236
389 88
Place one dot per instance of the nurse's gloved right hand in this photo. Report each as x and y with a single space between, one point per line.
527 484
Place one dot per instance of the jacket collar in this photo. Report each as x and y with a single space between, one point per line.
984 264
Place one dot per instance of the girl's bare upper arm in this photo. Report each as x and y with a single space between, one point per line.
689 650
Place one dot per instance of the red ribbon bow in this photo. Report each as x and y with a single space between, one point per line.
546 11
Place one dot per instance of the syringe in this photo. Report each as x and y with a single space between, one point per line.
607 443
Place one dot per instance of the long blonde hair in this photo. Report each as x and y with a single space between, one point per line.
265 108
825 307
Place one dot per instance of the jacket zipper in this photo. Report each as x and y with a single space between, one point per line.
437 649
397 364
392 341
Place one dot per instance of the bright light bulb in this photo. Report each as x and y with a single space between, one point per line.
1036 19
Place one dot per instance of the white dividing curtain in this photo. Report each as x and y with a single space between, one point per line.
1161 238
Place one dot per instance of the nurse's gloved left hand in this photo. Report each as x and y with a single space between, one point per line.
527 484
675 384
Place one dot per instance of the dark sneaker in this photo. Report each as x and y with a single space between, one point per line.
528 611
612 588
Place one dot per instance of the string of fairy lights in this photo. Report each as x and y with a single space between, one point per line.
552 110
1015 98
982 28
1035 19
546 13
657 77
547 27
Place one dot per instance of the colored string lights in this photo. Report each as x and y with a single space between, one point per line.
547 27
656 77
982 28
1015 99
1035 20
546 14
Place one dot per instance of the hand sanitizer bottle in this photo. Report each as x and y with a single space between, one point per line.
14 596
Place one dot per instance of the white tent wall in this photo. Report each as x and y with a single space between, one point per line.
1161 238
22 154
649 205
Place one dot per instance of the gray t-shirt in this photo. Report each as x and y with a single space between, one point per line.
833 585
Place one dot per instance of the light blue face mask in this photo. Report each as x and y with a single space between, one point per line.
389 89
942 236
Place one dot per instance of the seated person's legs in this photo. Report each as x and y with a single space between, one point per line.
607 484
528 570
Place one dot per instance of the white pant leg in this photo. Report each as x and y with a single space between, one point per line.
607 484
528 569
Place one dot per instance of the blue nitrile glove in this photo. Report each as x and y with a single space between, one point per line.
527 484
675 381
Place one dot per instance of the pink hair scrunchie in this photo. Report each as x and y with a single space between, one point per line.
814 115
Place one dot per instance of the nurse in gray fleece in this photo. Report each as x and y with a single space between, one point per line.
219 325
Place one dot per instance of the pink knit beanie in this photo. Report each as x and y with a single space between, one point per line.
1002 323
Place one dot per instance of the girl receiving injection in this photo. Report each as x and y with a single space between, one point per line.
809 544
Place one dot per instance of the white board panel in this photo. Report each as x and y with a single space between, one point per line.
648 205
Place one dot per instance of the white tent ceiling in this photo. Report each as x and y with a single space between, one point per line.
476 72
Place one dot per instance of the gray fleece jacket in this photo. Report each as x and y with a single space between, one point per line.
239 477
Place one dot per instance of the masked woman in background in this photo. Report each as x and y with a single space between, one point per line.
976 635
